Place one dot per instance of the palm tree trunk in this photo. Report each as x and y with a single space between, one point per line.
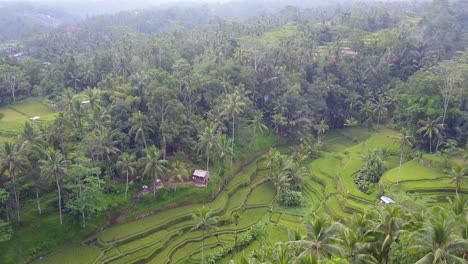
207 161
144 141
38 202
16 194
164 147
126 187
233 139
399 168
430 145
60 199
154 188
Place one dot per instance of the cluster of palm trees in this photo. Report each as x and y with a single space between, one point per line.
284 171
52 164
372 106
437 237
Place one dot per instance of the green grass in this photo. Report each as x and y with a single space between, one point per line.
18 114
71 255
262 194
411 171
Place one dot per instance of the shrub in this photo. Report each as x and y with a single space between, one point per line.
291 198
242 242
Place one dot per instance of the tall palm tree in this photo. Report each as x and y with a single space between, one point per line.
404 140
223 148
66 99
127 164
457 175
256 123
439 241
367 110
180 173
54 166
206 222
153 165
430 128
355 247
280 180
321 239
380 109
12 158
140 127
234 105
321 127
388 224
207 141
93 96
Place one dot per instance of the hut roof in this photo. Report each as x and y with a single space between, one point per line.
387 200
201 173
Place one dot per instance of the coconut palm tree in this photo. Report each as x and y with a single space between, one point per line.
13 160
321 239
223 149
153 165
439 242
93 96
256 123
180 173
234 105
356 248
207 141
206 222
140 127
54 166
404 140
127 164
321 127
457 175
380 109
388 224
66 99
430 128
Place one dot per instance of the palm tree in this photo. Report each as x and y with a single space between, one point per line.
368 110
206 222
388 224
280 180
223 148
153 165
404 140
270 158
180 173
54 166
321 127
13 159
438 240
128 165
321 239
356 248
234 105
380 109
256 123
207 141
93 96
457 174
66 99
430 128
140 127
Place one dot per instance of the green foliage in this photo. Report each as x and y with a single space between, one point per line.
291 198
372 170
242 242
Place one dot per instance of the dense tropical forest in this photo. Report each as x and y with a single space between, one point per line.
329 133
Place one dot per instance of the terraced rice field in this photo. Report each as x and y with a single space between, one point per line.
166 236
16 115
